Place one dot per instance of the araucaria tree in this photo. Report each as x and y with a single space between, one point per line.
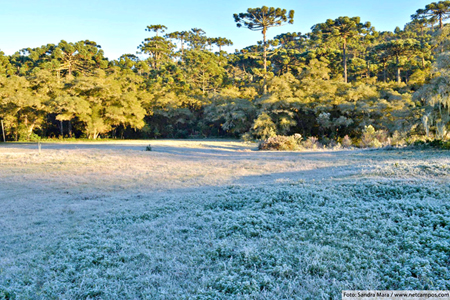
434 12
397 49
261 19
158 48
343 29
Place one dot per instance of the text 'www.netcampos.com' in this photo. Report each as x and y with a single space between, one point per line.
395 295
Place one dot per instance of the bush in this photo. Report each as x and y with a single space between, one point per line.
330 144
294 142
312 143
263 127
399 139
280 142
436 143
374 138
446 145
439 144
34 137
346 142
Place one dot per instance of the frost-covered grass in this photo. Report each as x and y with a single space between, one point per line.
220 221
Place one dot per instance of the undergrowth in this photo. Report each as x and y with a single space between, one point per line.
438 144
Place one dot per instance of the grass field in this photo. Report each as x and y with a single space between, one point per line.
219 220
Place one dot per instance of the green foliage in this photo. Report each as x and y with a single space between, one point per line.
397 49
21 109
263 127
344 29
434 12
158 48
197 39
203 70
435 143
435 97
230 111
220 42
261 19
373 138
179 35
328 83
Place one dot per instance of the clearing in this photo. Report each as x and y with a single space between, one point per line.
219 220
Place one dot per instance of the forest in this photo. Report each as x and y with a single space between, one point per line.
336 83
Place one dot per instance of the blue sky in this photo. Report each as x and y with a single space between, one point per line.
119 26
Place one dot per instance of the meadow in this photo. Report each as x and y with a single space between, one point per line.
218 219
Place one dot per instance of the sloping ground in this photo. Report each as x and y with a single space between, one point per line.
218 220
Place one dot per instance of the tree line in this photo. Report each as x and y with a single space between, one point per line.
331 83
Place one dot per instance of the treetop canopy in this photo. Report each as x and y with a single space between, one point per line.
264 17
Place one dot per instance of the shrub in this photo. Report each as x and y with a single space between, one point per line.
312 143
368 136
263 127
247 137
399 139
374 138
439 144
383 137
34 137
436 143
346 142
280 142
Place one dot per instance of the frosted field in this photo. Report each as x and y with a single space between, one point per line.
219 220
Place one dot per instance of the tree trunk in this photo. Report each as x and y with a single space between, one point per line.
61 127
182 49
368 70
70 128
265 63
399 79
203 83
345 60
30 131
3 131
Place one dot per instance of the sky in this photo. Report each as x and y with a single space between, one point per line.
119 25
